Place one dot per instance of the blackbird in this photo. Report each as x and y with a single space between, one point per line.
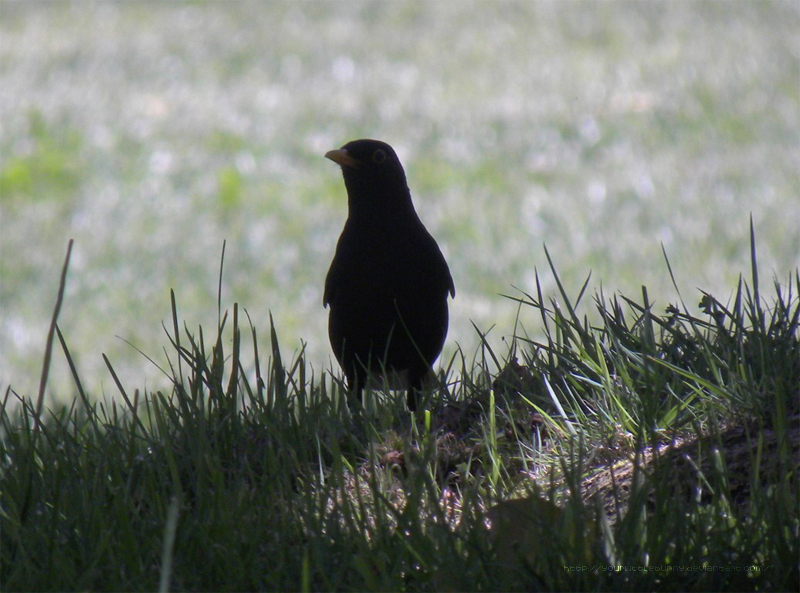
388 283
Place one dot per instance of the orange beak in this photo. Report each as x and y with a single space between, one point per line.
342 158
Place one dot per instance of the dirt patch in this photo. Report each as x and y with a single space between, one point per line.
693 463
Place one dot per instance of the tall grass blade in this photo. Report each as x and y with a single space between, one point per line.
48 350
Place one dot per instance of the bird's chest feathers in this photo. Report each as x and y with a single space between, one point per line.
381 247
384 257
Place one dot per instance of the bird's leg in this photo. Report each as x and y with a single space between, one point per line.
412 397
355 392
414 392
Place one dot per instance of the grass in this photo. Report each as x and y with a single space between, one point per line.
639 452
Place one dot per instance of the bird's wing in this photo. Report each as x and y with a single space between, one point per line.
441 269
451 285
330 283
443 274
337 273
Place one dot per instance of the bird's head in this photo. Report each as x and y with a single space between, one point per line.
371 170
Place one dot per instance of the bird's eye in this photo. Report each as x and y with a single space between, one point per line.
379 156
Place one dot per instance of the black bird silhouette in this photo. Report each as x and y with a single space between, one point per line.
388 283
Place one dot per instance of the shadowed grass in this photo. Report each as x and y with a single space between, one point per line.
638 452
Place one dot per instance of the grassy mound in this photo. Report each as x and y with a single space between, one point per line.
623 450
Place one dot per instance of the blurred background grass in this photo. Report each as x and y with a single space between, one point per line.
152 131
